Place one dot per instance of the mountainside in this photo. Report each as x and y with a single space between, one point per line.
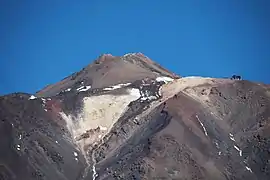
128 118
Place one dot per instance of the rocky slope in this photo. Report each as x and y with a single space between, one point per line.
129 118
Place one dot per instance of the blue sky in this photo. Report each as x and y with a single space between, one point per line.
42 42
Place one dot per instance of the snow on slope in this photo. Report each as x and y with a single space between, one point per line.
99 113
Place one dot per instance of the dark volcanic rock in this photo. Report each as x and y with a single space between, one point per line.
128 118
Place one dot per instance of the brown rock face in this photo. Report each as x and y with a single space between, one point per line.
128 118
108 70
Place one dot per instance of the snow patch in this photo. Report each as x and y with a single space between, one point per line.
85 88
148 98
118 86
32 97
134 92
135 120
231 137
148 95
238 149
67 90
204 129
80 88
129 54
43 102
249 169
95 174
164 79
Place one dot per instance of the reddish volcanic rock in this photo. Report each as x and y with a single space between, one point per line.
129 118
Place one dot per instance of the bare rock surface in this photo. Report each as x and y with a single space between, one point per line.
128 118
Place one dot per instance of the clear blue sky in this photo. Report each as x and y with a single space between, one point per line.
42 42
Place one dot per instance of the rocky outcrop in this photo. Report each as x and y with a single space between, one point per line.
129 118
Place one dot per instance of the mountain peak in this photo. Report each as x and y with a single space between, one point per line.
126 117
108 70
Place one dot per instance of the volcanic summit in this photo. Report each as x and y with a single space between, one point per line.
126 117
